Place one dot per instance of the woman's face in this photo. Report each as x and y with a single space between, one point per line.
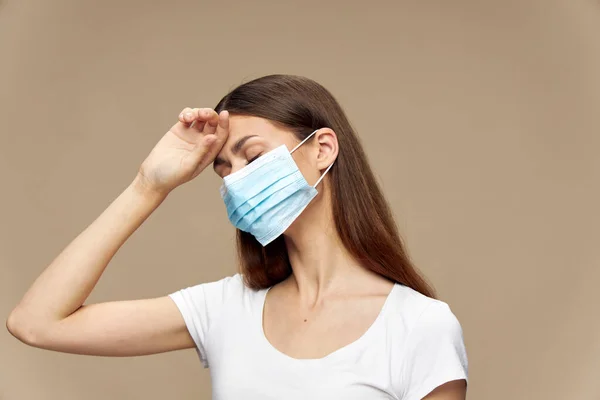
251 137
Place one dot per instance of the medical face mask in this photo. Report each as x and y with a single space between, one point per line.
266 196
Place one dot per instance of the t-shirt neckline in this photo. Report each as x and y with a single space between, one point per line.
334 355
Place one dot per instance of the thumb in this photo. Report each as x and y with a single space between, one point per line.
201 152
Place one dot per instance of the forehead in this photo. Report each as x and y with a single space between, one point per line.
243 125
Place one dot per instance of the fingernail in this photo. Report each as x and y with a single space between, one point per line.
188 115
181 116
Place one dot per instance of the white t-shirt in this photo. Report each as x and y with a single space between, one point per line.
414 345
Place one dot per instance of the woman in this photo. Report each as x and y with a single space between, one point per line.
327 304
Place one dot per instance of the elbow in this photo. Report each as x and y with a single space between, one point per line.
11 323
22 329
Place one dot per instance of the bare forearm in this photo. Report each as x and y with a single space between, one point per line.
67 282
51 314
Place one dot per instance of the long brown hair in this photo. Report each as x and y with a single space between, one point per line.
362 217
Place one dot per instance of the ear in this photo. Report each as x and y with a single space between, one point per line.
327 143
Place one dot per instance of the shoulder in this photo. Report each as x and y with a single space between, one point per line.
413 308
203 305
226 284
429 345
226 287
212 296
419 320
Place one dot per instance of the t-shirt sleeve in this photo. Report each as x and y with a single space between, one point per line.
435 352
201 306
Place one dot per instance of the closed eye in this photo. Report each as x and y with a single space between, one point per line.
253 159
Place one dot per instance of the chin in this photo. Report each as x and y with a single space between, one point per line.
292 230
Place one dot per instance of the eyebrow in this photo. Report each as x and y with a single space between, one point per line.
234 149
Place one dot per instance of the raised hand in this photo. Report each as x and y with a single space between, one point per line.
185 150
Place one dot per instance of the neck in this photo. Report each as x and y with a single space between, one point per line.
321 265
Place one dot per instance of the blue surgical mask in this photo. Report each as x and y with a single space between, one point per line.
266 196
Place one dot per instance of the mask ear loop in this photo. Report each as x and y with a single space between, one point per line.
330 165
302 142
323 176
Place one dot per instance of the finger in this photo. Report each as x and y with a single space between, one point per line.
203 115
202 155
213 142
194 116
209 145
212 121
222 128
186 116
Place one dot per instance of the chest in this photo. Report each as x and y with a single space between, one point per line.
247 366
317 332
344 351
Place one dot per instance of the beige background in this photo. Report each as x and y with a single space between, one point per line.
481 118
